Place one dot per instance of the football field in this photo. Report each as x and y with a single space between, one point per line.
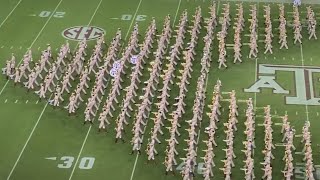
39 142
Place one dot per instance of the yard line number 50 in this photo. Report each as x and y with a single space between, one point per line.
85 162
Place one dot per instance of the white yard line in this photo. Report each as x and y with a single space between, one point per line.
256 69
2 23
45 107
26 143
302 63
255 80
53 12
133 19
78 157
177 11
89 129
199 131
88 132
137 157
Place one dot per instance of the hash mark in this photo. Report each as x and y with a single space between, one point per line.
310 59
27 101
37 102
317 114
20 47
280 144
296 112
286 112
38 48
11 47
2 47
16 101
5 101
292 58
229 44
274 57
51 158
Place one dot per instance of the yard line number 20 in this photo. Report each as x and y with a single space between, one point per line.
85 162
45 14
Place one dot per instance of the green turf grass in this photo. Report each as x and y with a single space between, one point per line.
58 135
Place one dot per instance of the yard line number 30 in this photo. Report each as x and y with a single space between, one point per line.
85 162
128 17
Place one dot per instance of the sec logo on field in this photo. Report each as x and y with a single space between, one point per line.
78 33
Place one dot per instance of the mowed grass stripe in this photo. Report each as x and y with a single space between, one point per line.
158 169
158 87
123 45
237 77
60 129
41 30
11 116
85 139
15 164
13 39
75 15
102 150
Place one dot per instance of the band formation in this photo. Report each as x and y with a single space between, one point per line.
51 79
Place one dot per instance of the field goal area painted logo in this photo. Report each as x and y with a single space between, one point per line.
78 33
303 80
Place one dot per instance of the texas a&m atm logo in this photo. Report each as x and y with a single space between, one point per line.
304 85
